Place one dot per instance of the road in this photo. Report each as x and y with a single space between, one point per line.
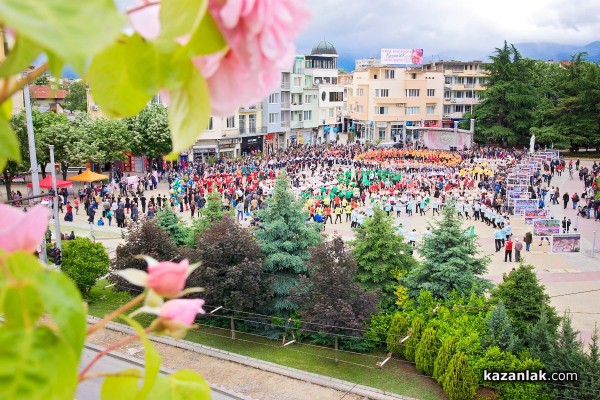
90 389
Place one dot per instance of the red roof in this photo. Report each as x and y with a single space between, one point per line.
46 92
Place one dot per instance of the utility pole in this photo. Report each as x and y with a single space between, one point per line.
55 201
35 179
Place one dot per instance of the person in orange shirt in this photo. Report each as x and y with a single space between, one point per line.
336 200
328 215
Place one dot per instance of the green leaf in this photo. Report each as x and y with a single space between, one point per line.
207 38
183 384
22 305
180 17
189 111
74 31
123 91
20 57
35 364
151 359
9 144
121 387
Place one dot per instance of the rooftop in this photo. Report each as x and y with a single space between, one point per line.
323 47
46 92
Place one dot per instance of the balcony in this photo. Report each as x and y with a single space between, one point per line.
285 124
297 125
285 105
285 86
249 108
297 106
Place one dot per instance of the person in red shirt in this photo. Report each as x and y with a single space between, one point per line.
508 250
328 215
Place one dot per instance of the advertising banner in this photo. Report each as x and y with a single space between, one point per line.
566 243
513 195
443 140
402 56
522 205
546 227
532 215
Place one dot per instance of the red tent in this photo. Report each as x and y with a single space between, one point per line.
46 183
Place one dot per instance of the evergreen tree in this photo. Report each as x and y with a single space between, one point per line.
168 220
506 112
211 213
382 257
499 331
525 299
398 329
427 350
443 358
450 262
231 271
284 239
410 346
459 381
540 337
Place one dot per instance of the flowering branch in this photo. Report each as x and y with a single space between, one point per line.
109 317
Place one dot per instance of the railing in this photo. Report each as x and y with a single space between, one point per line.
297 124
285 124
285 85
248 108
285 104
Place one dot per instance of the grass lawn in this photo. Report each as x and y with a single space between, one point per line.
396 376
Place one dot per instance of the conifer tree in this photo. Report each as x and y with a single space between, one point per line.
382 257
459 380
169 221
450 262
540 337
499 330
525 299
398 329
427 351
211 213
285 238
410 346
443 358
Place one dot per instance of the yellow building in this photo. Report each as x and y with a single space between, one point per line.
381 101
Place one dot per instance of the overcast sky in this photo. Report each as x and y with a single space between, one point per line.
448 28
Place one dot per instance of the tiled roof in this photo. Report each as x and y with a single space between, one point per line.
46 92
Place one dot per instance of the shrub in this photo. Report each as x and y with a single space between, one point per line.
378 327
410 346
397 332
84 262
427 351
444 356
459 382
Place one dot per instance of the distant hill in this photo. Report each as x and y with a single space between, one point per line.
556 52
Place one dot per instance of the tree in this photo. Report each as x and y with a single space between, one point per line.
382 257
540 337
410 346
443 358
327 297
427 350
505 113
459 381
144 238
499 330
42 80
150 131
84 262
211 213
525 299
76 99
398 329
168 220
450 261
284 239
231 270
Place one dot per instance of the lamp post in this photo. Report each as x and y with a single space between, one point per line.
35 179
55 201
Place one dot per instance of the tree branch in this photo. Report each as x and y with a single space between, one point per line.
11 85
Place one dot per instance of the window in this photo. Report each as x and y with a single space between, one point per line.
430 92
210 124
242 123
381 110
307 115
413 76
458 108
389 74
331 112
430 109
273 118
382 93
336 96
307 98
459 80
230 122
381 132
482 81
447 109
252 123
412 92
374 76
448 80
412 110
274 98
469 94
359 109
467 108
298 81
447 94
470 79
360 92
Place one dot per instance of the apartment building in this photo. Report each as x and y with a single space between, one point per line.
304 104
365 63
276 115
381 101
463 84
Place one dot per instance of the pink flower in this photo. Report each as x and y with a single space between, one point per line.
182 311
260 35
22 230
167 278
144 18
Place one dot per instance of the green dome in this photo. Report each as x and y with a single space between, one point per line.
323 47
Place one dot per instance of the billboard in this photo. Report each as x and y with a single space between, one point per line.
546 227
401 56
531 215
522 205
566 243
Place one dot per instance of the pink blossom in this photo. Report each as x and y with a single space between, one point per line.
22 230
260 35
167 278
144 18
182 311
